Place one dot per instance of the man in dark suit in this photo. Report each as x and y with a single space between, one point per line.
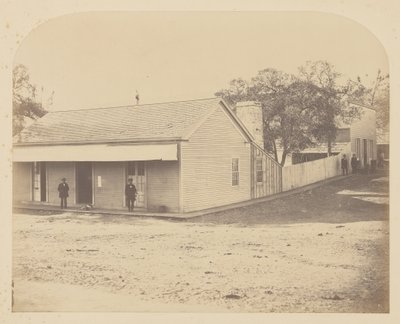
63 192
345 165
354 163
130 194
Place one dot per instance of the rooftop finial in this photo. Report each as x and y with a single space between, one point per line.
137 97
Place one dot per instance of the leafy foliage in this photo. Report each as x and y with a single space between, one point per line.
297 110
375 95
25 103
330 101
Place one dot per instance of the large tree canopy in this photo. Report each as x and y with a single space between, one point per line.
331 101
298 110
377 96
26 106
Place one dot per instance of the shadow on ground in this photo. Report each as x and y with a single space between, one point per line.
319 205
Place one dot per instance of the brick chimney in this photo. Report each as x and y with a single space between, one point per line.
250 113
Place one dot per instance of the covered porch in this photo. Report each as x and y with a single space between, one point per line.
97 175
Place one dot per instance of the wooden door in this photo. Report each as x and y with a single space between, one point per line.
84 183
136 170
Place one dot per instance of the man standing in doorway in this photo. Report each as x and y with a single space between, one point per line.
130 194
63 192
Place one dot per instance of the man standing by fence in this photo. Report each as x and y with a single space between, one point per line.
354 164
345 165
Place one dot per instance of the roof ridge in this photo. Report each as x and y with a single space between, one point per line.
128 106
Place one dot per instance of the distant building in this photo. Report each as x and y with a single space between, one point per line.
383 144
360 135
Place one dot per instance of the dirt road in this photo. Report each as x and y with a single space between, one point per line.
322 251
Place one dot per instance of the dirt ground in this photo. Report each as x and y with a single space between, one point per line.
325 250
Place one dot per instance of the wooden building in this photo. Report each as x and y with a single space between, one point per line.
182 156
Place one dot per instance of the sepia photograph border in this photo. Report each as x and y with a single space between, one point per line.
19 17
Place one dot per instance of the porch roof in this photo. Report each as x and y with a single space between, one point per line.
96 152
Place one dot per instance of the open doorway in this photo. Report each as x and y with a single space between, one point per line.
84 184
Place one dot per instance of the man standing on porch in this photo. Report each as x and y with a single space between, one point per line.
63 192
130 194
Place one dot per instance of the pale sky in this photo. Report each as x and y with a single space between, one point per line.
100 59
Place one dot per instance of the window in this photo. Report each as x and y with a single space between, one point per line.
235 172
342 135
140 168
259 170
36 176
131 170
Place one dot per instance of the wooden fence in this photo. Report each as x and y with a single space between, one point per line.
302 174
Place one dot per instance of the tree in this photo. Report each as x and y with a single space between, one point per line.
297 110
282 98
269 87
375 95
382 108
25 103
331 104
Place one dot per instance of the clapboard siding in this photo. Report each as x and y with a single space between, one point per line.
364 128
22 181
163 186
112 191
206 164
55 171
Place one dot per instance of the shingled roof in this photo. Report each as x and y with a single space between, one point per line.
161 121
